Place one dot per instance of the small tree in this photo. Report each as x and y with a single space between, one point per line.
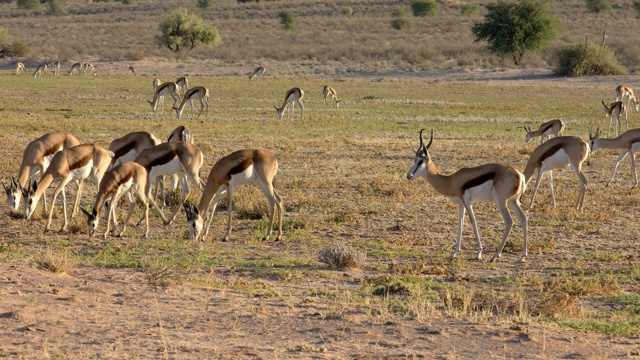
425 8
185 29
512 28
288 20
596 6
636 5
28 4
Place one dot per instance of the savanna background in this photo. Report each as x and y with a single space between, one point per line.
342 177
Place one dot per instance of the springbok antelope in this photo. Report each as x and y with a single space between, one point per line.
558 153
257 71
168 159
88 67
183 85
40 70
623 91
35 159
238 168
614 110
20 68
329 91
166 88
74 164
491 182
56 68
551 127
197 93
133 70
628 142
181 133
76 67
156 83
294 95
128 147
127 178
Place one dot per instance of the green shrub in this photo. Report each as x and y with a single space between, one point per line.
402 22
636 6
128 2
204 4
288 20
28 4
470 9
596 6
348 11
590 59
397 12
56 6
425 7
248 1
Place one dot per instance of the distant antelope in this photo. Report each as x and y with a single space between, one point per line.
56 68
40 70
88 67
257 71
491 182
183 85
133 70
197 93
614 110
628 142
76 67
623 91
20 68
551 127
293 96
329 91
166 88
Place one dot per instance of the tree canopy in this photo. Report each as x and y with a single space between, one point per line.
512 28
184 29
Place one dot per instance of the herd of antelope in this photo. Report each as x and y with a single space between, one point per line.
41 70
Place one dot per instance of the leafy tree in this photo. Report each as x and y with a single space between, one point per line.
512 28
204 4
28 4
183 28
596 6
288 20
636 5
425 8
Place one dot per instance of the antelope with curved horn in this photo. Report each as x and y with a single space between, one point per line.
628 142
491 182
552 127
558 153
293 96
166 88
197 93
614 110
238 168
329 91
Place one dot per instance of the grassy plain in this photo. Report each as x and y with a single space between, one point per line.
342 176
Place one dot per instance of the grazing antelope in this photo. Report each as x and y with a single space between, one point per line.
56 68
183 85
74 164
35 159
76 67
551 127
623 91
181 133
127 178
156 83
90 68
491 182
133 70
558 153
168 159
628 142
20 68
166 88
197 93
40 70
128 147
257 71
614 110
238 168
329 91
294 95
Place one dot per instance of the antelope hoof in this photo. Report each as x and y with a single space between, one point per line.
493 259
279 238
226 239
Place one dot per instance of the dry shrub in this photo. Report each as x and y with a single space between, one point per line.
159 272
557 305
342 255
56 262
583 286
394 288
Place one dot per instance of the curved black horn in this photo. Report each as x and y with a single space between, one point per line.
421 142
430 141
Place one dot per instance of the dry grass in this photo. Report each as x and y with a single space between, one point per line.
343 255
57 262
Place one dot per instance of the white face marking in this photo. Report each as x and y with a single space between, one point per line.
418 168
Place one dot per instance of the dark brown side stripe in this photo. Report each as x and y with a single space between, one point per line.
546 128
125 178
52 150
123 150
478 181
550 152
81 162
167 157
240 167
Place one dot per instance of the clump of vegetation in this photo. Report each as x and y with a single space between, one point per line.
56 6
425 7
183 28
393 288
248 1
342 255
7 49
589 59
287 20
28 4
400 21
348 11
56 262
513 28
204 4
470 9
597 6
636 6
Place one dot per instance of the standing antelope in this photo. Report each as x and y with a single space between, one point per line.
181 133
129 178
20 68
90 68
183 85
551 127
40 70
167 88
56 68
628 142
558 153
76 67
329 91
257 71
294 95
623 91
133 70
36 158
615 109
197 93
238 168
491 182
74 164
168 159
156 83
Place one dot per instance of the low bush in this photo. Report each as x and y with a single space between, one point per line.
425 8
287 20
402 22
596 6
343 255
470 9
589 59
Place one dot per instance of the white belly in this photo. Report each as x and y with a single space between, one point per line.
130 156
558 160
246 177
481 193
83 172
170 168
